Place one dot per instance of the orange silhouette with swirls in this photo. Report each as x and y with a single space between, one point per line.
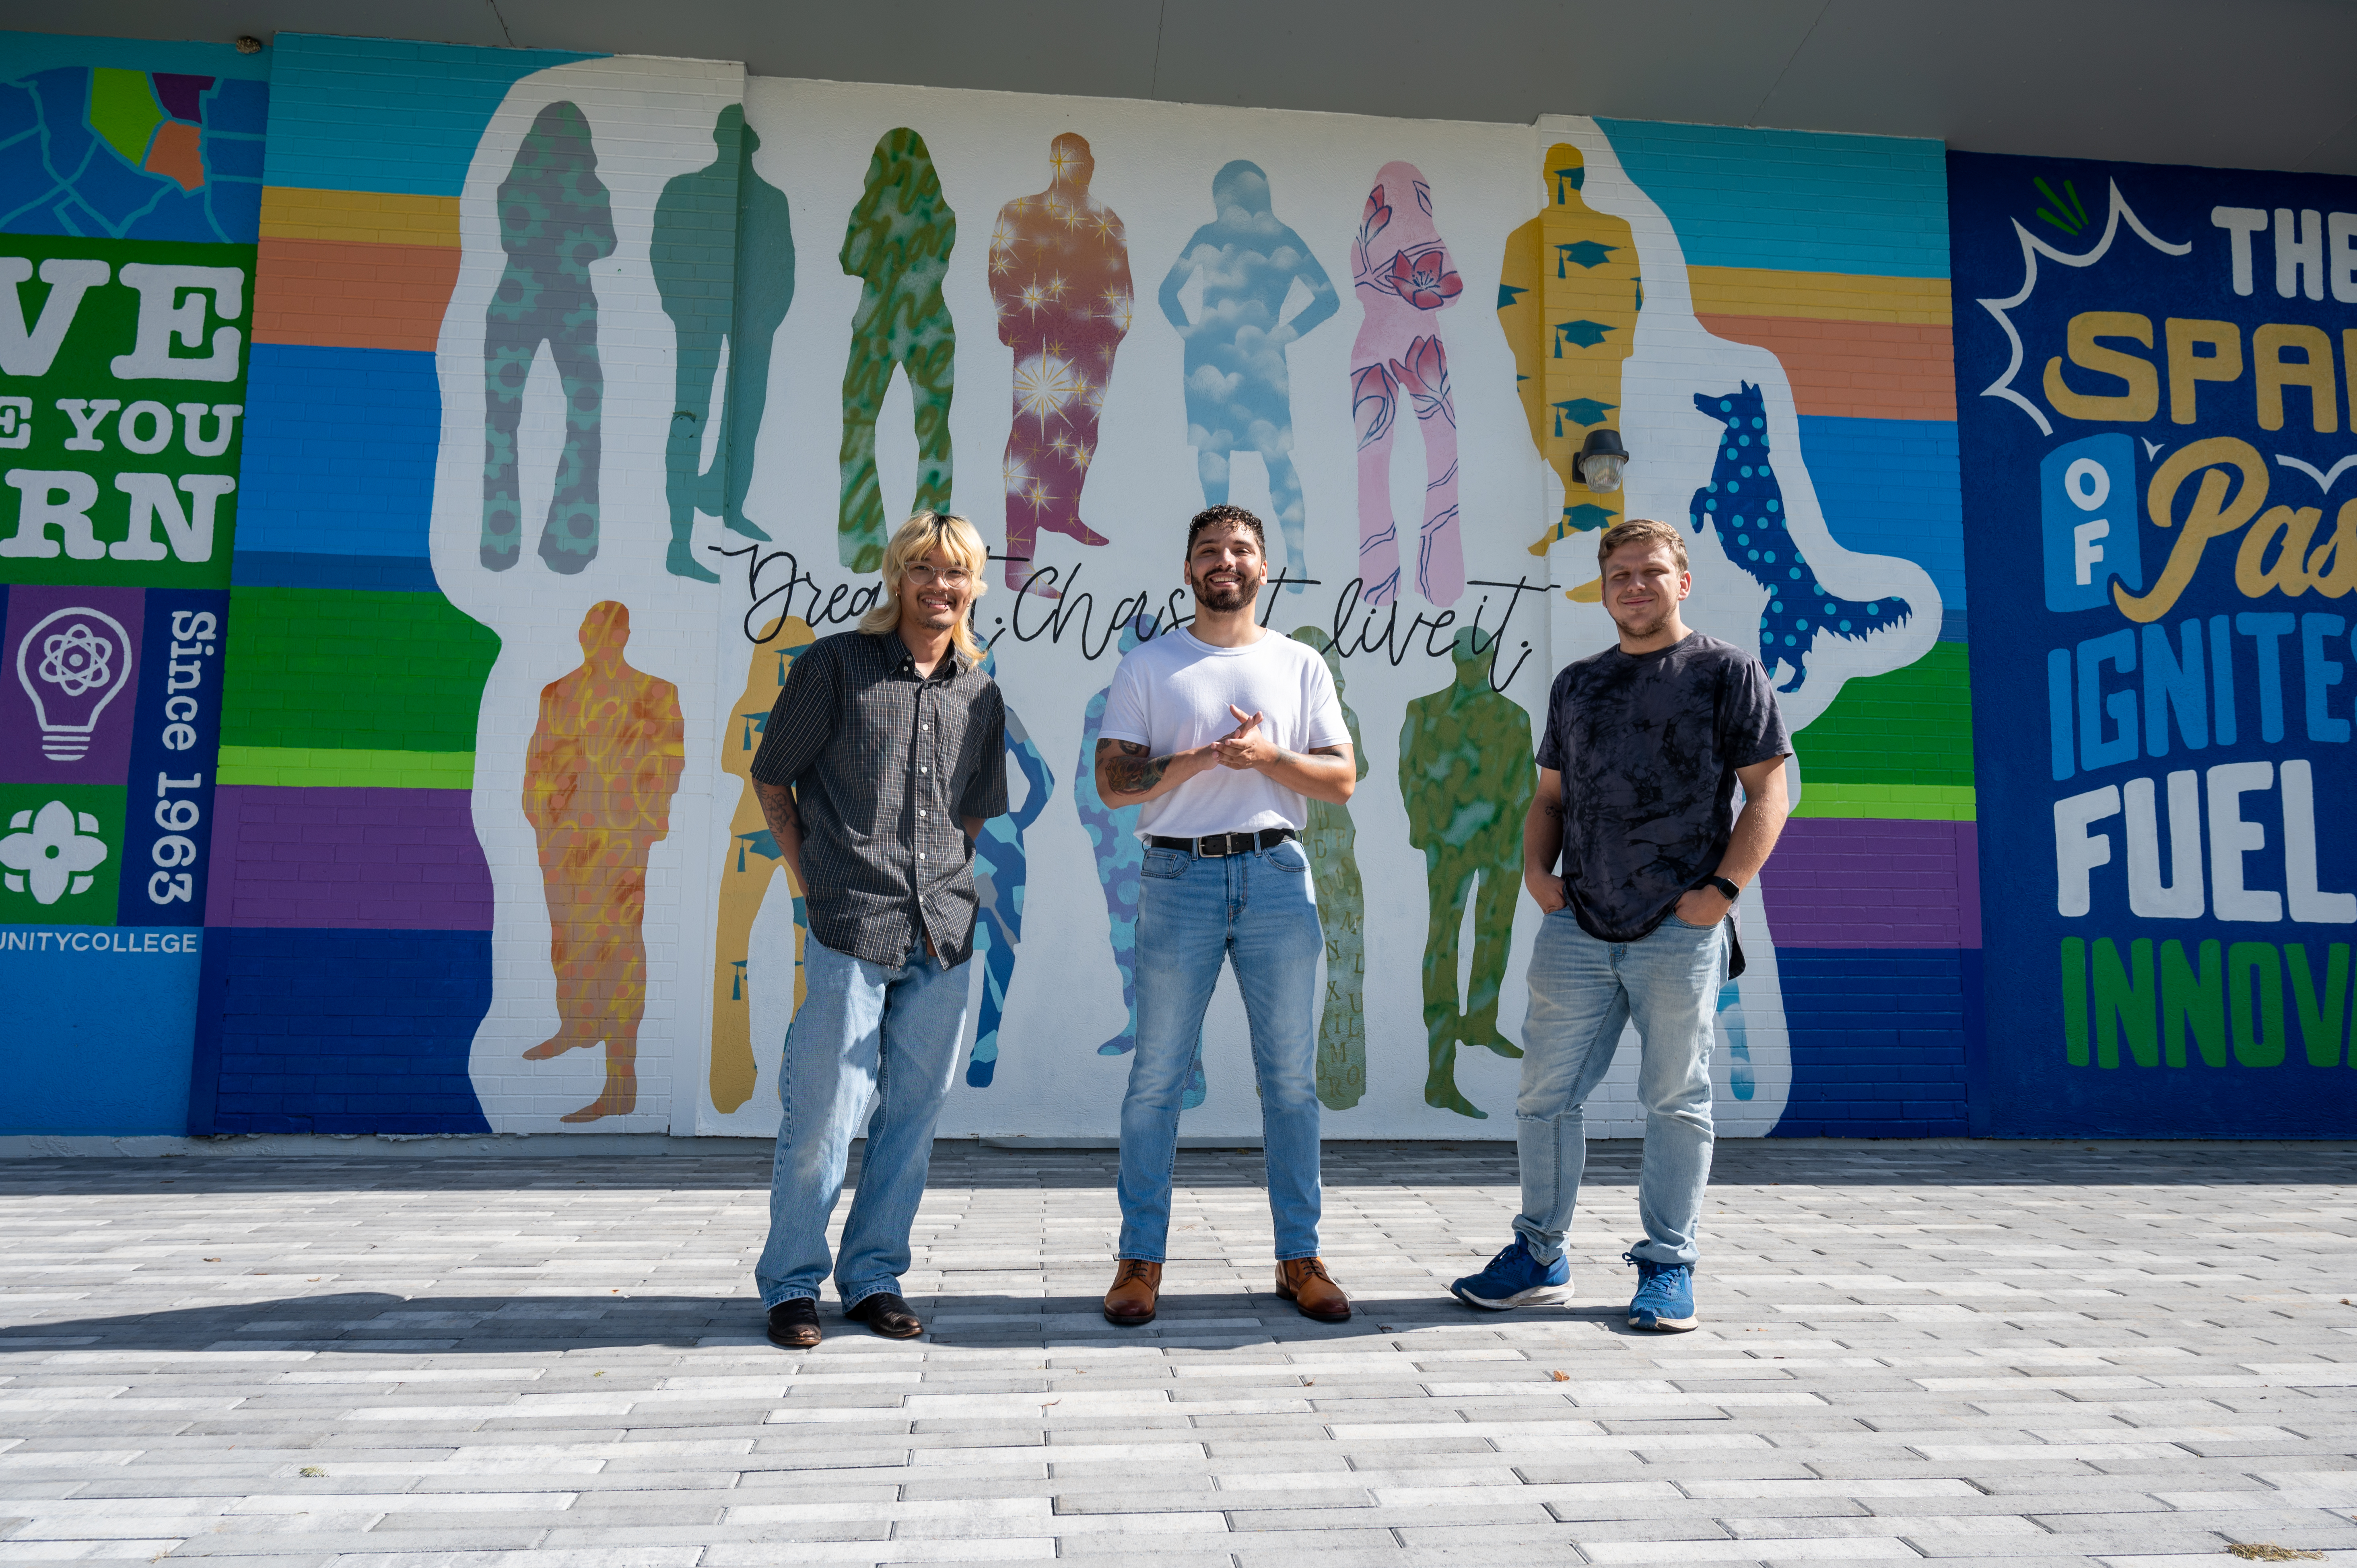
606 758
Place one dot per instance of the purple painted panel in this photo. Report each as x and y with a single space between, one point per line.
1873 883
378 860
67 660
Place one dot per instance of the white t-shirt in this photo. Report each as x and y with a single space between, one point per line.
1172 694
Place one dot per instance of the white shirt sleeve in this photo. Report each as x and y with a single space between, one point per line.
1126 714
1323 708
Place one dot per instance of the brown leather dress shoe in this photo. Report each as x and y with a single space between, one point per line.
1305 1283
1136 1288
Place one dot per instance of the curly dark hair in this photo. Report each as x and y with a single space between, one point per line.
1229 514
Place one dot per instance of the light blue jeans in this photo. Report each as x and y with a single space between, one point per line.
1583 992
1254 911
864 1029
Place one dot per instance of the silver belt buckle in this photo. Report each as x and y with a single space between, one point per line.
1204 846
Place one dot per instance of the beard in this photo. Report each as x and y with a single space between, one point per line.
1225 597
1645 623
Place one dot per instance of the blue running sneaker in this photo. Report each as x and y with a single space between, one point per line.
1514 1279
1664 1299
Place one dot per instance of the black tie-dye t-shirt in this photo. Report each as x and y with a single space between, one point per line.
1648 744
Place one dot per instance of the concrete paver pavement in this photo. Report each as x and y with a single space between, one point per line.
2126 1355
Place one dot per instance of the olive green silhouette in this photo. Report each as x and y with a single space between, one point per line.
899 242
723 258
1467 777
1331 840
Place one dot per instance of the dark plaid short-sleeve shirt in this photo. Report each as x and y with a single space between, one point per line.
883 763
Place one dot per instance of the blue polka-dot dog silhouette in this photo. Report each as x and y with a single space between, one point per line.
1746 504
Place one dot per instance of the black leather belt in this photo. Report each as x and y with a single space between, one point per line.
1213 846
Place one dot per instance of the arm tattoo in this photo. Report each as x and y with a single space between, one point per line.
777 804
1128 769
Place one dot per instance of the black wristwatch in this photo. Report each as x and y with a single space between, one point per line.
1722 884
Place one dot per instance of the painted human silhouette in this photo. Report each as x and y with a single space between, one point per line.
1000 874
554 221
605 759
752 862
1331 839
1239 397
1744 505
1113 835
1401 270
692 258
1568 297
1060 278
1467 775
897 242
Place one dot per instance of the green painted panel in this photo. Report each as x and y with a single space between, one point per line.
1920 802
327 669
1910 726
345 768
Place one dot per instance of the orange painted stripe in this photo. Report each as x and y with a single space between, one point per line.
339 294
1855 369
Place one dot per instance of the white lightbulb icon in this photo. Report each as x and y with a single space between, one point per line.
72 664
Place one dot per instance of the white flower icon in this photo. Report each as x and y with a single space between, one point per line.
47 851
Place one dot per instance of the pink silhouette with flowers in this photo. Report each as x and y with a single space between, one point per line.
1402 270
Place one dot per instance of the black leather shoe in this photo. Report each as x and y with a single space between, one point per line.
793 1323
887 1314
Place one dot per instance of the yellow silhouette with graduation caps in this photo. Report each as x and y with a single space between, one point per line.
753 858
1568 297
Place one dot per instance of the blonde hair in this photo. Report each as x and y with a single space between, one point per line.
1642 531
955 537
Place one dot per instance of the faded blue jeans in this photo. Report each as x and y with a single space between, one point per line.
1583 992
1254 911
864 1029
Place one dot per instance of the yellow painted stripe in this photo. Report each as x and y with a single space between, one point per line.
1817 296
324 768
369 217
1920 802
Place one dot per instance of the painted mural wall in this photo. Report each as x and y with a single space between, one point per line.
2156 370
584 390
130 182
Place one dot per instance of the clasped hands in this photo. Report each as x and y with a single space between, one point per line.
1247 747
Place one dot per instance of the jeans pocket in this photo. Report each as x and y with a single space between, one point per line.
1673 920
1287 857
1165 864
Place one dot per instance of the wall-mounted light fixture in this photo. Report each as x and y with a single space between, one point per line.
1600 459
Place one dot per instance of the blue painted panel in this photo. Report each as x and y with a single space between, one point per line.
340 451
1879 1043
385 115
328 1031
1890 487
96 1040
1794 201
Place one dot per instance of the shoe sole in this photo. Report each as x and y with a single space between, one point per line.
796 1344
1537 1296
1665 1325
1129 1322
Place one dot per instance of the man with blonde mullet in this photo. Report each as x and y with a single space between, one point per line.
882 759
1634 852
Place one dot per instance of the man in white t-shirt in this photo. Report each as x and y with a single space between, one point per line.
1220 730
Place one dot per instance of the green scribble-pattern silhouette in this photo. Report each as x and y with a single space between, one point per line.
899 239
1332 842
1467 775
555 220
720 222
